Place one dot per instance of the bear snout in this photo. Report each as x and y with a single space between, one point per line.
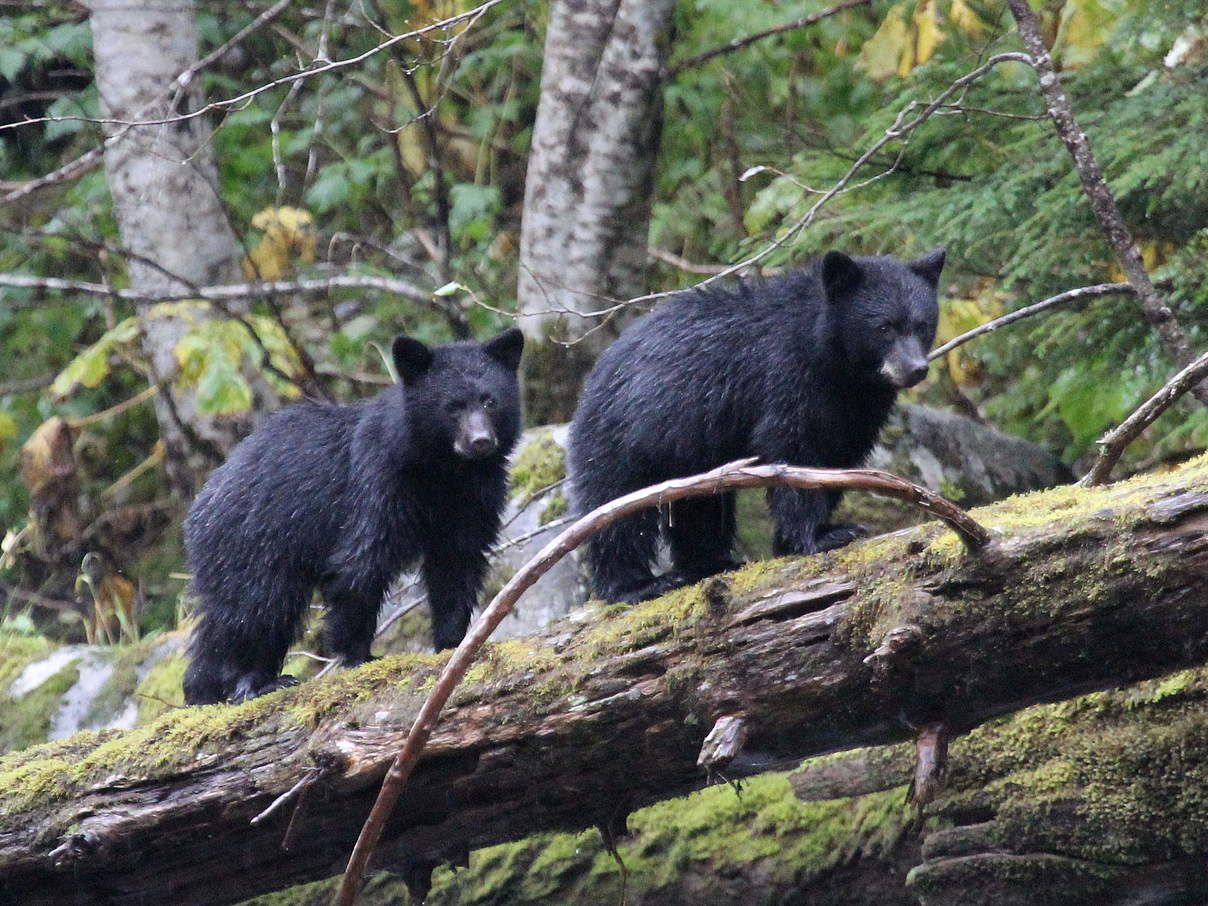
476 436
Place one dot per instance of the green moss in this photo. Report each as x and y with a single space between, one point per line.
161 689
714 833
540 463
17 652
27 718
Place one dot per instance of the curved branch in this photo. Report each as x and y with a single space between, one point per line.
1072 295
1115 441
742 473
739 43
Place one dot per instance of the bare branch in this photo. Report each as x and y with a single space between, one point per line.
240 101
1120 239
224 291
1115 441
900 129
90 160
739 43
739 474
1072 295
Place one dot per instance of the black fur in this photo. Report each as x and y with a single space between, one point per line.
342 498
802 368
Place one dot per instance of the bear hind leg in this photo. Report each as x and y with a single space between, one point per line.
621 556
701 535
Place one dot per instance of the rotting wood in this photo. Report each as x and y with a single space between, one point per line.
1087 587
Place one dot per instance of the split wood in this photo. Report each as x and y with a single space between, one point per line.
740 474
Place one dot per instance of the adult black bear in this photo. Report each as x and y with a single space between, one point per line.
342 498
802 368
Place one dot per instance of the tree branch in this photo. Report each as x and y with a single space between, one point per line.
739 43
1072 295
1115 441
1153 306
224 292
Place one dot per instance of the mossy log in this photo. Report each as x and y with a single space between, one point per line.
1082 589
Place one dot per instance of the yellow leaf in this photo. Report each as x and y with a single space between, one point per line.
882 54
927 33
289 236
966 19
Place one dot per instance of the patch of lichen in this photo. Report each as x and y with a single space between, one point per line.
1111 777
624 629
406 676
122 681
27 718
182 739
17 652
161 689
538 464
1059 573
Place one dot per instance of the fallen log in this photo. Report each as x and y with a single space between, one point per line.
1082 589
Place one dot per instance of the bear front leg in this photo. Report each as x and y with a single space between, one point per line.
453 580
800 518
351 619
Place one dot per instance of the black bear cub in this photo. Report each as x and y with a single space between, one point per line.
802 368
342 498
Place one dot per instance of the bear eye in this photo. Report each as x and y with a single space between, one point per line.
488 401
886 329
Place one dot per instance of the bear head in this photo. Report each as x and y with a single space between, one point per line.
463 397
885 314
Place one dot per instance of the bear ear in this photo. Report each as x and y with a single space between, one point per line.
506 348
840 275
411 358
929 266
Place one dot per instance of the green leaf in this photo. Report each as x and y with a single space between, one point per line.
449 289
221 390
91 366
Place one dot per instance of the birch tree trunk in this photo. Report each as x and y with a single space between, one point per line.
164 185
587 195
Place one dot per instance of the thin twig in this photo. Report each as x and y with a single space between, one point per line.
90 160
1154 307
1072 295
242 100
739 43
741 474
224 291
1115 441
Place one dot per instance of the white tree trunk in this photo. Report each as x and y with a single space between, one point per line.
164 186
587 195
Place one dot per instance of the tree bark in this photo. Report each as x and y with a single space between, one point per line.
589 185
164 185
607 712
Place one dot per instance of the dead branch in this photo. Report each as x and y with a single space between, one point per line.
1119 238
1072 295
1115 441
746 41
90 160
224 291
240 101
739 474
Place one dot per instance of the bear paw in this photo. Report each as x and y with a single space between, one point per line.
245 689
839 535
